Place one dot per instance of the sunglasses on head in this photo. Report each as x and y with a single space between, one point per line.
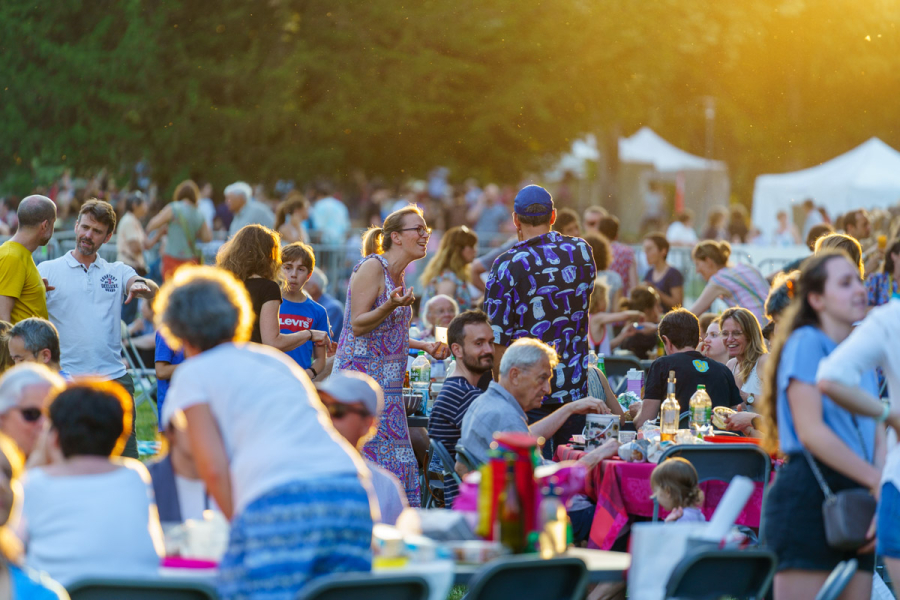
31 414
339 410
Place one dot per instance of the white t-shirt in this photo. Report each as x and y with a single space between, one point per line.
391 497
81 526
872 344
208 210
193 498
86 308
274 426
679 233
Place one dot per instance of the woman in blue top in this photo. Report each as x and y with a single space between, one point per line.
16 582
829 298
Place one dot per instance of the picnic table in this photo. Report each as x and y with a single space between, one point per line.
622 492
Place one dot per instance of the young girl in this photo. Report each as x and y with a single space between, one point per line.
847 449
600 330
641 339
675 487
665 279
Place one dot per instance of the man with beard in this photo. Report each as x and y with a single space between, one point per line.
85 302
22 293
471 341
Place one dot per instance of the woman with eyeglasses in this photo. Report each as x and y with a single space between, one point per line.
377 343
24 391
449 272
746 350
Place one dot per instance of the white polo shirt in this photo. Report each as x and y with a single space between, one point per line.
86 308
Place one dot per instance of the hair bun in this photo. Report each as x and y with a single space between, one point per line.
725 248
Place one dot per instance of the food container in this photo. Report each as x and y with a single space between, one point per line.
412 400
598 429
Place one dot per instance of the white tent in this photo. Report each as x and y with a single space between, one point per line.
866 177
647 147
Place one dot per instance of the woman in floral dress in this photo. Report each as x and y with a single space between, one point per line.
377 341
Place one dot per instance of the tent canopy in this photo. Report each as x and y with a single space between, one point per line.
867 176
646 146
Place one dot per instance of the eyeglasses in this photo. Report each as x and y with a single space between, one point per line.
732 334
339 410
31 414
420 231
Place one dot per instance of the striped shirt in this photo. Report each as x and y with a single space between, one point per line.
445 424
747 288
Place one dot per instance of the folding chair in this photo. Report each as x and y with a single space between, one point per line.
140 589
466 458
437 480
564 578
138 370
710 574
838 580
721 462
365 586
617 369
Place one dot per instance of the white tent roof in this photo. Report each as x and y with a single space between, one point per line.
646 146
866 177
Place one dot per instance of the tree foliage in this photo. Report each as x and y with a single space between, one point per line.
303 88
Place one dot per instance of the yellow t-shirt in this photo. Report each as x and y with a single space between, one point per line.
19 279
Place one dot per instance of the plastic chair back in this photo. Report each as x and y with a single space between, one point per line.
138 589
466 458
721 462
838 580
713 574
617 368
562 578
365 586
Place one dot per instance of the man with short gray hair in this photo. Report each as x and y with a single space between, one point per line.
24 391
246 210
36 340
22 292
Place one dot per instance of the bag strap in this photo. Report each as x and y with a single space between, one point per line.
815 469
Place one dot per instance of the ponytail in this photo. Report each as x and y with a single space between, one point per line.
372 241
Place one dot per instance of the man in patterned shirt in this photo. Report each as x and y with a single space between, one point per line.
541 288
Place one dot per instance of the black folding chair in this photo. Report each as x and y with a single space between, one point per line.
437 480
721 462
562 578
838 580
710 574
140 589
365 586
466 458
617 370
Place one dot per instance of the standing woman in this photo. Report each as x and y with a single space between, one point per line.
450 271
377 341
290 217
665 279
881 286
808 427
186 228
746 351
738 285
253 255
131 241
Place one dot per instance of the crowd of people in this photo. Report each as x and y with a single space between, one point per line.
283 408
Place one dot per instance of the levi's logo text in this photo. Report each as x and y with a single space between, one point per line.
109 283
294 323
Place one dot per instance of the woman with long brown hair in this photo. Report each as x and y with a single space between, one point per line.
449 272
375 339
253 255
186 228
815 433
746 348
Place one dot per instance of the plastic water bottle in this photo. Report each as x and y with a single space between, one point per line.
601 363
452 368
701 411
420 378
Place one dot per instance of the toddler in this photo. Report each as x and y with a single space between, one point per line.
675 487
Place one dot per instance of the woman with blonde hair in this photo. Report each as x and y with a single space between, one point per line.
746 348
375 339
289 218
253 255
449 272
185 228
737 285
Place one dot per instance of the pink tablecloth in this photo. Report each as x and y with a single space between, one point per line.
622 490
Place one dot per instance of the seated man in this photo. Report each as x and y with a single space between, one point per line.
680 333
525 372
471 341
180 492
36 340
355 401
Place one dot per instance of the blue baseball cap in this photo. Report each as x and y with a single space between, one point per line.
531 195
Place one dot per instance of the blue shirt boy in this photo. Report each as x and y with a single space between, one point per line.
299 316
164 354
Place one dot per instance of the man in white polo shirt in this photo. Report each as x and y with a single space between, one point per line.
85 302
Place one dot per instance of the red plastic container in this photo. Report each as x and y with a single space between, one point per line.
732 439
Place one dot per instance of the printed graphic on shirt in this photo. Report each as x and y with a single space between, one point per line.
541 288
294 323
701 365
109 283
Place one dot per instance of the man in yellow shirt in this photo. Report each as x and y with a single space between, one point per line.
22 291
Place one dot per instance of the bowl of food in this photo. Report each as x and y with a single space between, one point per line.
413 401
719 414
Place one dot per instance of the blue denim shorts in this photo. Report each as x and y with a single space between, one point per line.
888 531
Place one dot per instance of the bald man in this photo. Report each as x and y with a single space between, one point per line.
22 291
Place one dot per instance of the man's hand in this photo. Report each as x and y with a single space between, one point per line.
139 290
47 285
593 458
635 409
589 405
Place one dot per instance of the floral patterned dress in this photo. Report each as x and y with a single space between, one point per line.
382 354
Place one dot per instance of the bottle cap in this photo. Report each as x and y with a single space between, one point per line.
421 353
701 387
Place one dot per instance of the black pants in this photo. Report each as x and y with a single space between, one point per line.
574 425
